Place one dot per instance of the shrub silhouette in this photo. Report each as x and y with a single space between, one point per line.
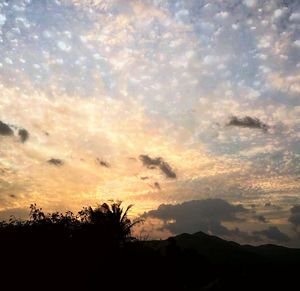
94 249
37 216
83 246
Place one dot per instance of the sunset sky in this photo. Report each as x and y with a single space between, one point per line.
193 104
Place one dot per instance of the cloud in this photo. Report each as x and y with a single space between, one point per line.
167 170
295 17
157 186
103 163
248 122
273 233
158 162
55 162
2 19
198 215
24 134
151 77
260 218
147 161
5 129
250 3
63 46
295 215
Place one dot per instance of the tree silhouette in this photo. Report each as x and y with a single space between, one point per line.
83 250
37 216
111 219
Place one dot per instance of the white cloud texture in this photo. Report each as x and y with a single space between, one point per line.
114 80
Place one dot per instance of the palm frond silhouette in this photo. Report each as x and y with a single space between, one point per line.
111 219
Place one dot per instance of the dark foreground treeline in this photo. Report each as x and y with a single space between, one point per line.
94 250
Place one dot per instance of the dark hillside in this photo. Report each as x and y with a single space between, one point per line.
94 249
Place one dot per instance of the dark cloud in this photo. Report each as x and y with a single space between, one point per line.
167 170
24 134
295 215
237 234
192 216
260 218
5 129
157 186
273 233
55 162
103 163
147 161
249 122
160 163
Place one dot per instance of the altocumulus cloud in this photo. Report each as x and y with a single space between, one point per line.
151 77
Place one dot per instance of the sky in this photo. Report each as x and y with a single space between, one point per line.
189 110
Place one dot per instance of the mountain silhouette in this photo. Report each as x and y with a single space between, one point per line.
227 265
95 250
218 250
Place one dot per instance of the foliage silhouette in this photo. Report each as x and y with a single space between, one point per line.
94 249
112 219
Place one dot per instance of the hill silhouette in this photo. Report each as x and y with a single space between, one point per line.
218 250
94 249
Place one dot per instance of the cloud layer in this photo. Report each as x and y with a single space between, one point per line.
192 216
211 216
